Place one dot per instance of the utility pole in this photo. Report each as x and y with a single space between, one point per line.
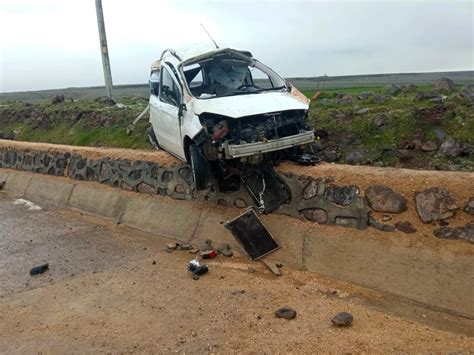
103 48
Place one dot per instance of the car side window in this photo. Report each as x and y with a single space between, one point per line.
155 82
169 91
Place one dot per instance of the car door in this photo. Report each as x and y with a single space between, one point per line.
164 113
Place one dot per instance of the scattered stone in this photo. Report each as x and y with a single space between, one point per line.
172 246
273 267
392 90
408 88
340 116
342 319
440 134
380 226
434 204
286 313
224 249
444 85
362 111
185 247
381 121
365 95
356 156
207 245
2 185
386 218
240 203
341 195
326 102
329 156
379 99
346 99
57 99
429 146
469 208
405 227
194 251
425 96
37 270
238 292
350 222
450 148
383 199
467 92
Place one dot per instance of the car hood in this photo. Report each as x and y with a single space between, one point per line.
247 105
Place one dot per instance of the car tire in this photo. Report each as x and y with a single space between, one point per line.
199 166
152 138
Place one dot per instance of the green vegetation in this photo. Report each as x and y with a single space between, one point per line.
349 119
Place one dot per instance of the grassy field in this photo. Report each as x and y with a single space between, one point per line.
93 121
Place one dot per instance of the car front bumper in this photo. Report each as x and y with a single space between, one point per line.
246 149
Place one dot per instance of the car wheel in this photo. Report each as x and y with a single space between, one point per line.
199 167
152 138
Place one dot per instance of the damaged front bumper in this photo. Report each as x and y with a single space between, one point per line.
246 149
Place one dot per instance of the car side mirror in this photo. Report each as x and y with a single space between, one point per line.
288 84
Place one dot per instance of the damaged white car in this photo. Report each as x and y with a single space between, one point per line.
221 110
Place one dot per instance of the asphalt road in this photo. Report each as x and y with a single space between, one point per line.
112 289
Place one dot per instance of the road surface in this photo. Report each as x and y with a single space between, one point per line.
112 289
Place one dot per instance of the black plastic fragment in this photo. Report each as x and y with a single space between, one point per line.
39 269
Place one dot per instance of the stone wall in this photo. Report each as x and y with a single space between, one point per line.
317 200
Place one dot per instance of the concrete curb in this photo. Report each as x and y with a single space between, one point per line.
437 275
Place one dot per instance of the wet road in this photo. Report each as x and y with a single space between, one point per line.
112 289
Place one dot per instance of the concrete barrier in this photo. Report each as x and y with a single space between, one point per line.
436 273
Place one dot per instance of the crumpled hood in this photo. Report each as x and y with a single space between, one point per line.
247 105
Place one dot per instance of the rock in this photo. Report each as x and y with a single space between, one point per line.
466 232
2 185
356 156
444 85
450 148
381 121
240 203
405 227
326 102
408 88
380 226
316 215
172 246
429 146
329 156
434 204
194 251
440 134
386 218
467 92
469 208
362 111
383 199
57 99
425 96
341 195
286 313
392 90
340 116
350 222
365 95
379 99
273 267
224 249
346 99
37 270
207 245
342 319
208 254
185 247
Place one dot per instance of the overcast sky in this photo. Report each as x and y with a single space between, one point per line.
54 43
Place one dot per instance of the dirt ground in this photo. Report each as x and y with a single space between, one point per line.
112 289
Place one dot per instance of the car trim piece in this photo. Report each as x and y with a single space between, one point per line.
246 149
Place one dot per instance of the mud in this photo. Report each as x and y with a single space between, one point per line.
111 289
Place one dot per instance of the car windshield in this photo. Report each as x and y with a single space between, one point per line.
226 76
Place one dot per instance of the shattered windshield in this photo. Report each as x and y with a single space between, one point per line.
226 76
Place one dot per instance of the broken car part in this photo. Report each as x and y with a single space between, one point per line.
252 235
197 269
39 269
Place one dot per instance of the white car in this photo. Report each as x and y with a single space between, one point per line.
221 108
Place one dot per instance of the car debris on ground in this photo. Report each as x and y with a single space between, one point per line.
37 270
196 269
275 268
